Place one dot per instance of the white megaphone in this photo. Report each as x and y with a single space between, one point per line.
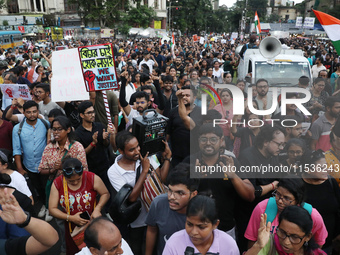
270 47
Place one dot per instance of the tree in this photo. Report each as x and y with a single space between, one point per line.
273 18
140 16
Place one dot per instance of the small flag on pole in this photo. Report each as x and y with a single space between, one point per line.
257 24
172 45
332 27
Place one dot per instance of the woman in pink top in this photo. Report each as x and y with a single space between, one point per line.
290 191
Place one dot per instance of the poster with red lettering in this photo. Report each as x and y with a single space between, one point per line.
98 65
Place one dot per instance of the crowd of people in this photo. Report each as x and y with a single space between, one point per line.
63 161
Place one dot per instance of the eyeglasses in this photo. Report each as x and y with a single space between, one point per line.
177 194
141 102
212 140
76 169
294 239
279 144
295 152
285 200
90 113
57 129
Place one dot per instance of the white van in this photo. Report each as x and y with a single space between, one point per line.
283 70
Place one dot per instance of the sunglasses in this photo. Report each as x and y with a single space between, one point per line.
76 169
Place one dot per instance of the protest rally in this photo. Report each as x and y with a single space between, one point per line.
171 142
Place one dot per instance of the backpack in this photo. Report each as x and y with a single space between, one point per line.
271 209
22 124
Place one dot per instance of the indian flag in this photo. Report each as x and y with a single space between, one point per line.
257 24
332 27
172 44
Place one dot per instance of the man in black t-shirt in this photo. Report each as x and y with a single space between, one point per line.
94 138
183 122
226 186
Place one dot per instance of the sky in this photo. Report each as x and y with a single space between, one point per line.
230 3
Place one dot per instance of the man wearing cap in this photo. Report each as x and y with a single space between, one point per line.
149 62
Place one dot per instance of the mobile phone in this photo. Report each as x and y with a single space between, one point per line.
85 215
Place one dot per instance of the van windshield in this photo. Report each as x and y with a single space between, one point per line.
281 73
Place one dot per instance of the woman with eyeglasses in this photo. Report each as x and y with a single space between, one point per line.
201 233
75 192
295 148
294 235
322 192
63 144
290 191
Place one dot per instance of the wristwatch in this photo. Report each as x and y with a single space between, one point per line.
26 222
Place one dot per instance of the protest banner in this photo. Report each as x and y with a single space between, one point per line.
194 37
67 82
11 91
98 65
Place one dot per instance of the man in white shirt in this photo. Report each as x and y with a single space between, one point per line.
103 237
149 62
318 67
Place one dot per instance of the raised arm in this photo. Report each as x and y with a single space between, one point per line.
43 235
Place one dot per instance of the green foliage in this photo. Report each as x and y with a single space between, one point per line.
257 5
273 18
5 22
124 28
140 17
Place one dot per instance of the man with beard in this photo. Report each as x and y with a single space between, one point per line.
169 94
29 142
179 66
263 100
167 212
45 105
322 126
226 186
124 171
95 139
183 123
141 99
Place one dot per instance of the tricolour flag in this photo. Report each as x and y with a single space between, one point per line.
332 27
172 45
257 24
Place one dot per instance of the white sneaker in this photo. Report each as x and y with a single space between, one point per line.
48 217
42 212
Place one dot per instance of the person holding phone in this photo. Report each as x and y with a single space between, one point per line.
75 191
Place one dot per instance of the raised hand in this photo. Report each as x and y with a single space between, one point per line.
264 231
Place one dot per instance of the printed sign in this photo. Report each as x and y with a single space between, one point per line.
309 22
97 62
106 33
67 82
11 91
194 37
298 22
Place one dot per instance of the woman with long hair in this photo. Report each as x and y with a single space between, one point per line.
63 144
75 192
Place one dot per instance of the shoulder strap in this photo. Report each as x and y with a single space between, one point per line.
138 173
308 207
20 126
271 209
45 124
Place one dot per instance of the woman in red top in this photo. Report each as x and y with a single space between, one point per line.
75 191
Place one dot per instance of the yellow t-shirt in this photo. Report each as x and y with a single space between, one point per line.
333 164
